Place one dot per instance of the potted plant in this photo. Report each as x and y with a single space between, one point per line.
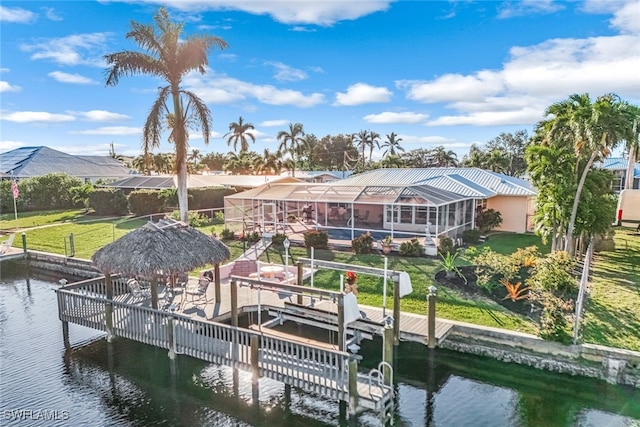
386 245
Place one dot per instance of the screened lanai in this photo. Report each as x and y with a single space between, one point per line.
402 210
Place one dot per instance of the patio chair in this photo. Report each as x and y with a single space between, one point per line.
4 246
138 291
198 291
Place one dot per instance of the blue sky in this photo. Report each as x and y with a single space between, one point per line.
448 73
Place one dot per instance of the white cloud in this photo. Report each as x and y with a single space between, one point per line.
285 73
391 117
71 78
432 139
51 14
226 90
8 87
76 49
362 93
511 8
100 116
272 123
323 13
452 87
110 130
491 118
8 145
16 15
36 116
230 57
625 13
301 29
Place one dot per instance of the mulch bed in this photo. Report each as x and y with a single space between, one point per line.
472 291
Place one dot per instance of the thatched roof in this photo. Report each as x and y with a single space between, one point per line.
164 247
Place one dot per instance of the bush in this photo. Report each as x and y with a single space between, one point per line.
195 219
251 237
217 218
555 320
362 244
316 239
491 267
144 202
412 248
208 197
51 191
471 236
445 246
278 239
108 201
554 273
487 220
227 234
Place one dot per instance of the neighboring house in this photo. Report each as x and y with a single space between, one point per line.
433 201
618 166
29 162
162 182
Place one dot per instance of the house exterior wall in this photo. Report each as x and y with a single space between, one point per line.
629 207
515 212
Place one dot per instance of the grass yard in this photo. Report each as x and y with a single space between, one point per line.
36 219
508 243
612 314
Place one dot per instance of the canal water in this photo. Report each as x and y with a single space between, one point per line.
130 384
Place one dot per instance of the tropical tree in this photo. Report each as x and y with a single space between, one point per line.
513 146
168 54
594 128
391 145
307 151
441 157
361 140
632 141
374 140
238 132
290 141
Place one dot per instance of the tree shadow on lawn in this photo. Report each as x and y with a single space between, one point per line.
612 326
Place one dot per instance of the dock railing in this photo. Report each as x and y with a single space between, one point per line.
321 370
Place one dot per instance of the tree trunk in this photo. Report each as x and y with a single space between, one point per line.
569 246
633 150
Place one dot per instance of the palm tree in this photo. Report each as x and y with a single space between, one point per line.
290 141
632 141
442 157
391 145
308 150
238 131
195 156
373 140
362 141
169 55
594 128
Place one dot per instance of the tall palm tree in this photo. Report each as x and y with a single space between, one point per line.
290 141
168 54
374 139
238 131
594 128
308 151
361 140
441 157
632 141
195 156
391 145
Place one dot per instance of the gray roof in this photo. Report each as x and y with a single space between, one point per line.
158 182
27 162
473 182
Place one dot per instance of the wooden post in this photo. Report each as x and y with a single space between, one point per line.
171 338
255 366
216 276
431 318
396 313
154 292
387 352
24 243
234 303
300 280
341 322
65 334
353 386
108 307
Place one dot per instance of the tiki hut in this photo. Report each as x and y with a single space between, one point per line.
156 250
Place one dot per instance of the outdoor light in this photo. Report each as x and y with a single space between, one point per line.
432 290
286 244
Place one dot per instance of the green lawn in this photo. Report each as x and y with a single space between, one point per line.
611 316
35 219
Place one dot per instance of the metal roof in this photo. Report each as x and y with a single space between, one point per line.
157 182
27 162
482 182
619 163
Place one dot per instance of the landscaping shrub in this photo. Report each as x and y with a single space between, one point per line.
278 238
445 246
195 219
556 323
108 201
227 234
491 267
412 248
487 219
217 218
554 273
471 236
362 244
208 197
316 239
251 237
144 202
51 191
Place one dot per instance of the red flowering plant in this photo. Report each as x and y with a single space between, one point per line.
351 277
